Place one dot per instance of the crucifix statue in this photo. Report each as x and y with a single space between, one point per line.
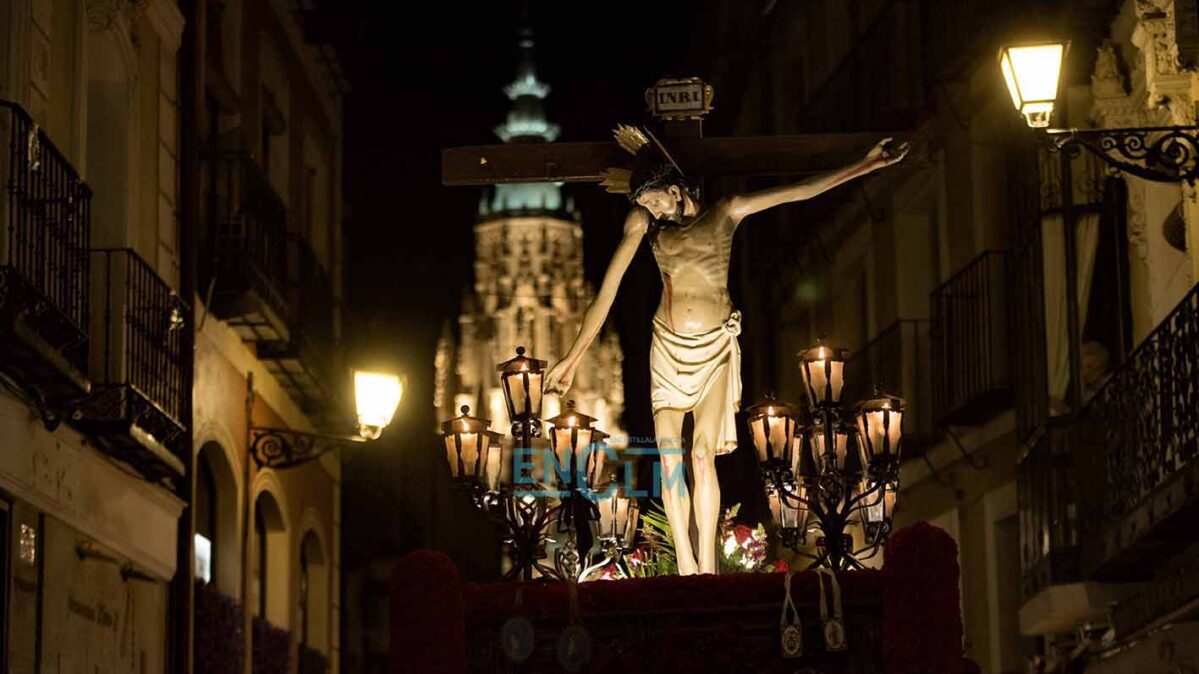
695 361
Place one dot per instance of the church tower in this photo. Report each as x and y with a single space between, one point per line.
529 288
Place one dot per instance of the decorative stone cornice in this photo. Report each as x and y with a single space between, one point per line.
1165 85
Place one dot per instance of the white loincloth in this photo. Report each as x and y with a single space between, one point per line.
683 368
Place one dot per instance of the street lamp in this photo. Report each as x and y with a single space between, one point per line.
1162 154
1031 72
376 394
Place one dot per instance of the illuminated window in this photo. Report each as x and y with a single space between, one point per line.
203 558
206 520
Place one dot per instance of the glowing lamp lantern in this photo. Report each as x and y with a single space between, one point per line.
1032 73
877 509
784 513
803 463
880 429
498 470
570 439
521 380
830 445
596 455
377 395
772 425
469 447
823 370
618 518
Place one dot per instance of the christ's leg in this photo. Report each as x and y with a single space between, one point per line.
668 424
709 414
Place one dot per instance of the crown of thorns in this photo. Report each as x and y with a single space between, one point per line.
653 167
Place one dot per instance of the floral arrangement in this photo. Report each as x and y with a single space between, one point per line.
742 549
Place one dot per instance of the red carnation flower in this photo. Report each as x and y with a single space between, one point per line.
782 566
743 533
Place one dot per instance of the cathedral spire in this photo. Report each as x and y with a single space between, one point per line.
526 123
526 120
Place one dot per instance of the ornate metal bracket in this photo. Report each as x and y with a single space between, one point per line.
284 448
1166 154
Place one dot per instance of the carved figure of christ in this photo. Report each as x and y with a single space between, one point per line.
695 357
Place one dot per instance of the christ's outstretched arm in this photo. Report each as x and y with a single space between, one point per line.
560 376
878 157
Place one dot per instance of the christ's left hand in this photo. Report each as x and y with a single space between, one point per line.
885 154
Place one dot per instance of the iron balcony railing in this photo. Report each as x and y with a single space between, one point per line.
897 362
43 250
1149 414
306 362
970 342
250 248
1102 492
141 387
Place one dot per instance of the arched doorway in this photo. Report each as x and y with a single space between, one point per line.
217 508
313 597
270 571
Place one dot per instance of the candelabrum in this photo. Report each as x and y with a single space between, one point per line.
539 492
830 469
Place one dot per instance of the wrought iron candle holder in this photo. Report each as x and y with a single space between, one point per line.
838 469
510 482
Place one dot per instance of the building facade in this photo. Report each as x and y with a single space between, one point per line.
528 289
1053 450
172 233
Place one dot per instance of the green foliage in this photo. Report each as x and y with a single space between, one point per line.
657 557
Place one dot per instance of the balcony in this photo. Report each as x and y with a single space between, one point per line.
1107 495
45 211
140 385
1149 415
897 361
306 362
970 342
250 248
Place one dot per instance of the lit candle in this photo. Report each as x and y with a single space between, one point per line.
451 453
470 453
839 448
495 461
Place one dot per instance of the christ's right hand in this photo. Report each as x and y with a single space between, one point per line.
559 379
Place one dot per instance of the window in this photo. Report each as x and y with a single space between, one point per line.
303 596
259 561
206 520
313 599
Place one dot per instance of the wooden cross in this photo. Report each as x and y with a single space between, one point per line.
682 125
